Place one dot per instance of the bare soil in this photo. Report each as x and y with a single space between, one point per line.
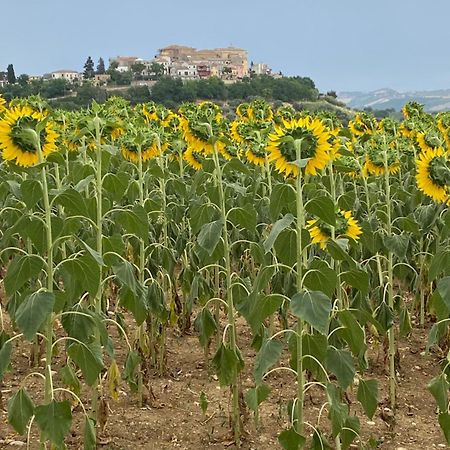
173 419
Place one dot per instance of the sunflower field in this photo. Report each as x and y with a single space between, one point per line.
120 225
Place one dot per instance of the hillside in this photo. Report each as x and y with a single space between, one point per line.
434 101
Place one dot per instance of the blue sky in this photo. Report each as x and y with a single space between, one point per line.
341 45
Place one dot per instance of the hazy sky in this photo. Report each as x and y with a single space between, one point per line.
340 44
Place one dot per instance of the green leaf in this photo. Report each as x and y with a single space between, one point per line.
210 235
255 396
73 202
90 437
88 358
94 253
20 410
156 301
262 307
444 422
129 373
31 192
313 307
320 442
439 263
69 378
22 270
33 312
405 322
135 222
323 208
267 356
384 316
443 287
5 353
227 364
437 331
338 411
200 215
81 274
79 323
314 345
340 362
398 244
263 278
277 228
438 387
353 334
357 279
244 217
350 432
126 274
368 396
324 277
282 198
116 184
54 420
286 246
291 440
205 325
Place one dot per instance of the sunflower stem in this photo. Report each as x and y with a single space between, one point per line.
48 395
141 274
229 299
391 331
300 223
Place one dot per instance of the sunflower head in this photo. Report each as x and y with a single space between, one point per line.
24 134
378 151
412 109
261 111
433 174
243 111
346 226
285 112
305 135
202 126
2 105
362 124
428 140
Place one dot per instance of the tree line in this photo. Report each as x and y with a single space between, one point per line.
169 91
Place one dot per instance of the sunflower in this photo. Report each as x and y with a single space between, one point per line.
117 132
346 225
193 158
433 174
427 141
362 124
375 159
2 104
315 146
16 144
243 111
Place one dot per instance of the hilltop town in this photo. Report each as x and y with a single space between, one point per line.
177 61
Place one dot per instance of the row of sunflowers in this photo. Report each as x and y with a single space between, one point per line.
314 232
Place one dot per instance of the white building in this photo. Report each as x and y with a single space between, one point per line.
70 75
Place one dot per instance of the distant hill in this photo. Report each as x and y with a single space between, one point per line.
434 101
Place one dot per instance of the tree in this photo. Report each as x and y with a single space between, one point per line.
11 76
112 67
89 71
23 79
137 68
156 71
101 67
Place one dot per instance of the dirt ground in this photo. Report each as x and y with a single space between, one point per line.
173 418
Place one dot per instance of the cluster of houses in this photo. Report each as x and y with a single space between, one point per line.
188 63
177 61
